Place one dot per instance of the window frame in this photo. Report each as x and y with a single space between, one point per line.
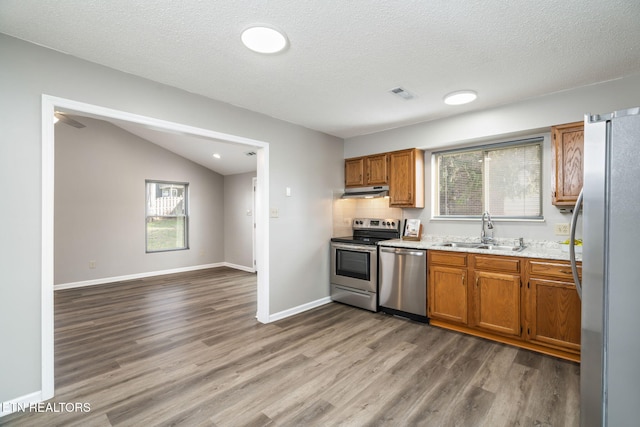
435 187
146 215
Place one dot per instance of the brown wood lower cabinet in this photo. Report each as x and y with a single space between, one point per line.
497 302
448 294
554 306
447 297
530 303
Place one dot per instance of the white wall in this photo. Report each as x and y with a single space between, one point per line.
533 117
238 219
308 161
100 198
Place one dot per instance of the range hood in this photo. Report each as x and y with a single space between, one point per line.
366 192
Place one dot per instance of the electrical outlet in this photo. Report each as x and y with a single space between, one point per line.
92 264
561 229
274 213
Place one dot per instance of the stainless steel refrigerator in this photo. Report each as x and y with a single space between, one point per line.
610 356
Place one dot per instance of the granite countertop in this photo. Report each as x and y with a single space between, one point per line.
534 248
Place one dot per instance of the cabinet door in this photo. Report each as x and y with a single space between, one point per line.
497 302
354 172
447 299
376 169
402 174
568 149
554 317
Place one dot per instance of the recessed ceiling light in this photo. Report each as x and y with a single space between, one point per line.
263 39
216 155
460 97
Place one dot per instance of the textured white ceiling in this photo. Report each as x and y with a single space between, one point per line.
344 56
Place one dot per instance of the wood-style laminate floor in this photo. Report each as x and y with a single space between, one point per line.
186 349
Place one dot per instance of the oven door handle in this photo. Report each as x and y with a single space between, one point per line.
360 248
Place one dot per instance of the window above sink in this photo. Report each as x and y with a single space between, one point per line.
504 178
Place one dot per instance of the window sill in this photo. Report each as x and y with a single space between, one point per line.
478 219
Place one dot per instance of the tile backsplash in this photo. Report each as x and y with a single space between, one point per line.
344 210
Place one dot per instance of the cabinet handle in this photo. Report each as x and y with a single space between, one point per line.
463 279
477 278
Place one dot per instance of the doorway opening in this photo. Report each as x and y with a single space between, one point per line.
49 105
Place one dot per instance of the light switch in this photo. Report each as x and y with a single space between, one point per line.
288 191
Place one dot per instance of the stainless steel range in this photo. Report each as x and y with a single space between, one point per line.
354 261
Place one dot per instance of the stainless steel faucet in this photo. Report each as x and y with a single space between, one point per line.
483 233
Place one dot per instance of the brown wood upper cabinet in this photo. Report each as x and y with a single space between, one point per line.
402 171
567 148
376 169
406 178
367 171
354 172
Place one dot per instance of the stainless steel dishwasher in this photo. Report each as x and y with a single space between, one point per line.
403 282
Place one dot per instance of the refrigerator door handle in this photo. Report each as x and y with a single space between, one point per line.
572 241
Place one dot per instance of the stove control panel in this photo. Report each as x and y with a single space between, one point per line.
376 224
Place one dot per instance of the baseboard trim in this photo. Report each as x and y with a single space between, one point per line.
239 267
299 309
20 403
138 276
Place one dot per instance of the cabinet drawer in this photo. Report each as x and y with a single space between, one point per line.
448 258
554 269
504 264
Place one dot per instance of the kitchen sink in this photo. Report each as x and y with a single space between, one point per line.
460 245
483 246
501 248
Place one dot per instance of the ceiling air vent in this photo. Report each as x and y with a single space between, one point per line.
250 153
401 93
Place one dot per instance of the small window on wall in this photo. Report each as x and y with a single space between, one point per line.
504 179
167 216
